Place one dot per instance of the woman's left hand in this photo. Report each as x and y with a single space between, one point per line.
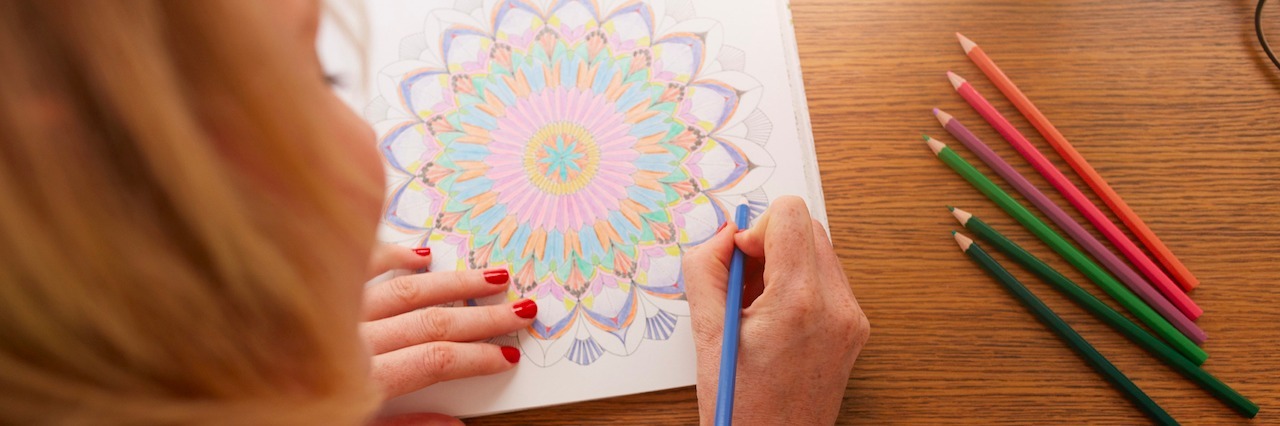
416 343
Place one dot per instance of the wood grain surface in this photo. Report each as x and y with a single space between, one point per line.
1174 104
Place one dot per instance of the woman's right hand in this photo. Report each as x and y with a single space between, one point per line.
802 328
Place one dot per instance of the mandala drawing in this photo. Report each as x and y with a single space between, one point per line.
582 144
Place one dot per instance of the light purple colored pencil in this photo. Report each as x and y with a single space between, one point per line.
1126 274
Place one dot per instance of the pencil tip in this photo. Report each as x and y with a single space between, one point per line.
951 208
953 232
962 240
934 144
956 80
961 216
942 116
925 137
965 43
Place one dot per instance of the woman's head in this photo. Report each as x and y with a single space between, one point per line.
185 212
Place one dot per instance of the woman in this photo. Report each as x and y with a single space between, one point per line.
188 215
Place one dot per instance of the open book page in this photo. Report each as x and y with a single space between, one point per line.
583 145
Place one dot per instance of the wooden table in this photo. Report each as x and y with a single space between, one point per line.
1174 104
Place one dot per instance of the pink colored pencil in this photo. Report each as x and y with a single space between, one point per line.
1077 198
1077 232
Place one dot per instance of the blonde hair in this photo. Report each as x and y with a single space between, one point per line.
167 200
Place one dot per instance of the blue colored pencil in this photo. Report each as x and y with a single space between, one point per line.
732 324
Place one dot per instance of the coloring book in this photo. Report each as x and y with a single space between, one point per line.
583 145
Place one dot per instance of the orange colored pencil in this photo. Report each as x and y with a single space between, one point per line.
1078 163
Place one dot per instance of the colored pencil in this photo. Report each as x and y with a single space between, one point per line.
1078 163
1187 367
1064 331
1055 177
1073 256
732 324
1077 232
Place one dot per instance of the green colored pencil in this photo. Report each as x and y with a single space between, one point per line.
1064 331
1110 316
1073 255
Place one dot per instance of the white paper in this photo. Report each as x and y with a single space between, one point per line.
583 145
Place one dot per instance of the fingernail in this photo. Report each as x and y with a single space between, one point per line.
526 309
722 225
497 276
424 251
511 354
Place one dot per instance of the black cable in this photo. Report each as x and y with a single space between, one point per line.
1262 39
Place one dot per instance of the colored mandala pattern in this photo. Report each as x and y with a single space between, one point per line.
581 145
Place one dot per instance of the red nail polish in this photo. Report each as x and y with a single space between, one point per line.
526 309
497 276
511 354
722 225
424 251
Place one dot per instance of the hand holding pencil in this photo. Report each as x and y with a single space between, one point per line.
801 327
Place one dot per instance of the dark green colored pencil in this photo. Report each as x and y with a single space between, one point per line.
1070 253
1064 331
1099 309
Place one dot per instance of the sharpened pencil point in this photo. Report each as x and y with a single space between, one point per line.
965 43
942 116
925 137
956 80
934 144
951 208
961 216
962 240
